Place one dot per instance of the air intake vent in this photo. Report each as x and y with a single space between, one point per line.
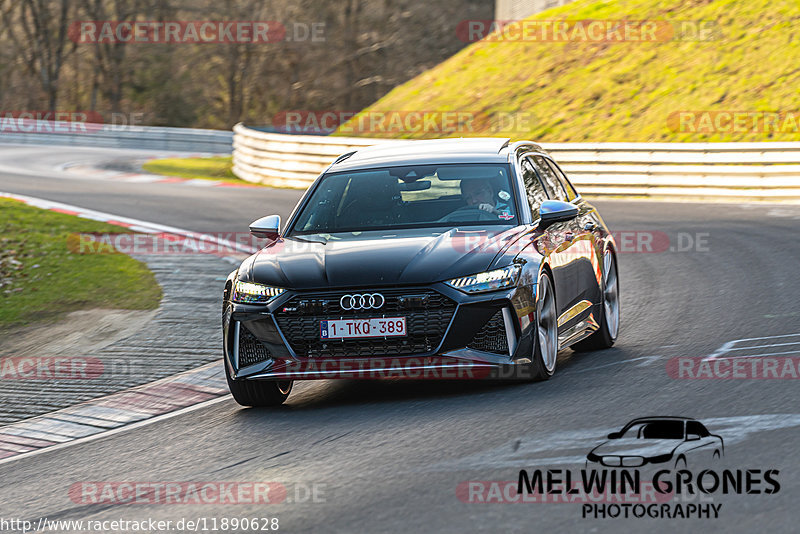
251 350
492 337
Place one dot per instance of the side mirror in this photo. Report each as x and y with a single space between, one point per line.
553 211
266 227
692 437
614 435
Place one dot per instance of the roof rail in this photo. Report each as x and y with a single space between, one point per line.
344 157
525 144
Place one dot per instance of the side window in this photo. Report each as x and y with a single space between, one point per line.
551 183
571 193
533 187
693 427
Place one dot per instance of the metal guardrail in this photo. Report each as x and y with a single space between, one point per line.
750 171
110 136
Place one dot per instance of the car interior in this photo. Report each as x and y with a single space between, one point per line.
400 196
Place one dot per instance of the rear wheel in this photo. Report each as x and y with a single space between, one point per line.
545 346
606 335
258 392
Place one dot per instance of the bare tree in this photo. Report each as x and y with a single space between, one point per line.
367 48
38 31
110 56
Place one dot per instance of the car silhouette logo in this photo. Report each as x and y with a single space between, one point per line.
674 441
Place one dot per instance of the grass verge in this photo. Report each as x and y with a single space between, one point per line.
41 279
213 168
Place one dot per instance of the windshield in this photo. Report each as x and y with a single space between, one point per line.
416 196
655 430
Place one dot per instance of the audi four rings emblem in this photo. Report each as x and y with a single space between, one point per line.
367 301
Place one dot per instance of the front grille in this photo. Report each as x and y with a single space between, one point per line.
427 314
251 350
492 337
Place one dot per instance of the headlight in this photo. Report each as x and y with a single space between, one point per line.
487 281
250 293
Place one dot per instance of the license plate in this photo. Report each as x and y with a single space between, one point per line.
359 328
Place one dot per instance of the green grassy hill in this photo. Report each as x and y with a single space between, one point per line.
623 91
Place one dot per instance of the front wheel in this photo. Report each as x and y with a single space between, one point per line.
258 392
606 335
545 346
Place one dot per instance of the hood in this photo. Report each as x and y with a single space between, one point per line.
637 447
378 258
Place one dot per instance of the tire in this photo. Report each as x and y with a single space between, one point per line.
258 393
606 335
545 345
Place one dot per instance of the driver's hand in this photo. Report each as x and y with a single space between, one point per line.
487 207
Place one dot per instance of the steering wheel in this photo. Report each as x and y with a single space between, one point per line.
468 213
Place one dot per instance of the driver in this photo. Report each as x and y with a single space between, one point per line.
479 194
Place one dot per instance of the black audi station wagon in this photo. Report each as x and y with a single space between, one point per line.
455 258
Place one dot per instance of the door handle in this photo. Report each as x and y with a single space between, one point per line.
569 236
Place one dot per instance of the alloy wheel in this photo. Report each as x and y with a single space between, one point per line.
610 294
547 324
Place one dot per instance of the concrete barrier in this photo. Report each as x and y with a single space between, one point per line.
758 171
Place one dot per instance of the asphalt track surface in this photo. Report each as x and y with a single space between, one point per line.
388 456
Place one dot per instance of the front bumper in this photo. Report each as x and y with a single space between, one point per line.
454 335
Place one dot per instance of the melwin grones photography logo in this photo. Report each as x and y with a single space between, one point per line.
653 467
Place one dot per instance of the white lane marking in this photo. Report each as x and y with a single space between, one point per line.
767 346
199 182
734 345
763 338
722 350
118 430
649 360
742 356
572 446
782 212
45 425
105 217
143 179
